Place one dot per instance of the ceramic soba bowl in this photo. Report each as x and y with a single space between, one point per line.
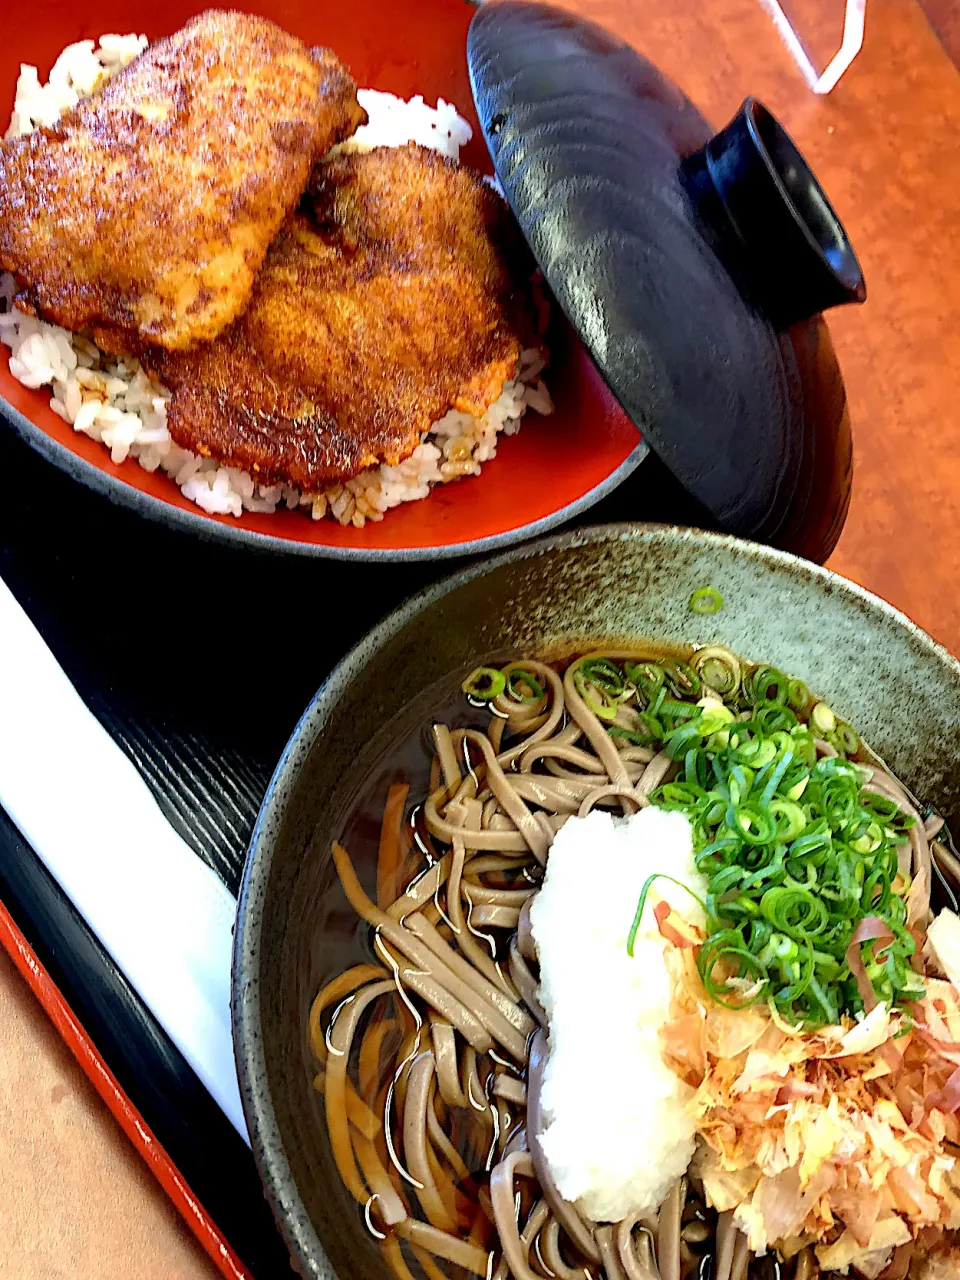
872 664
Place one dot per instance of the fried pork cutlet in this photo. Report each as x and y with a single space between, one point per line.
147 210
391 304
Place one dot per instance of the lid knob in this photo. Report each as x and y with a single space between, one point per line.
758 195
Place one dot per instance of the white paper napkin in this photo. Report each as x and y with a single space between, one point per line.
163 915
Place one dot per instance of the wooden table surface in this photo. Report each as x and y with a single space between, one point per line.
76 1200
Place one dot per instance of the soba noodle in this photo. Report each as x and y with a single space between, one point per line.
431 1059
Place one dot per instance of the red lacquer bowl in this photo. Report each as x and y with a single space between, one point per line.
555 468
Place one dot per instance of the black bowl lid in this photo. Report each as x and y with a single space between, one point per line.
681 258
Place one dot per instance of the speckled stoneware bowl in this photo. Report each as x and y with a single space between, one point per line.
874 666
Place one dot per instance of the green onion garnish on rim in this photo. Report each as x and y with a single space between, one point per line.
706 600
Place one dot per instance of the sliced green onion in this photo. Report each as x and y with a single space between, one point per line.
719 669
601 685
772 717
484 684
798 695
776 777
716 717
636 736
706 600
794 911
638 916
646 677
604 674
847 737
683 680
795 852
727 947
823 719
789 817
769 685
522 686
757 827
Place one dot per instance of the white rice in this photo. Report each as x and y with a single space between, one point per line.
112 400
618 1133
395 121
78 71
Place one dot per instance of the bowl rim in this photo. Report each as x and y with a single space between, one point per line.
206 527
265 1138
